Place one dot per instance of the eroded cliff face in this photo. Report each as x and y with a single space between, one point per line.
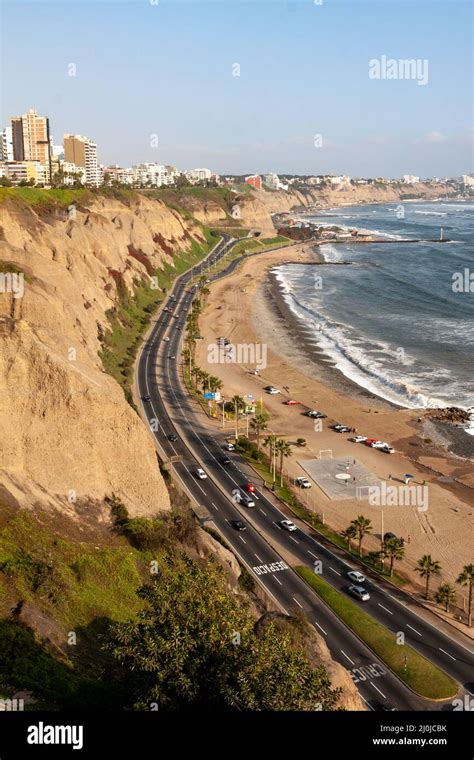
68 435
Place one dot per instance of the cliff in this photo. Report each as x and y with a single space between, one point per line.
68 435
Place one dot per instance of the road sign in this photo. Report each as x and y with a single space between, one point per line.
209 395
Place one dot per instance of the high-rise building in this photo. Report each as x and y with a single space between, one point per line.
17 139
6 146
82 152
255 181
31 139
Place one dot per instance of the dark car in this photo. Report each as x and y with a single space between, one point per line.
226 461
315 414
173 437
146 398
238 524
388 536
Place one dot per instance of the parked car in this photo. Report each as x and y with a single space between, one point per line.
315 414
238 524
173 437
387 449
292 402
342 429
355 576
229 447
303 482
201 474
379 444
389 535
271 390
288 525
369 441
359 592
358 438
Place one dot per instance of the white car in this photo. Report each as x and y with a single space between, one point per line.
201 474
379 444
303 482
358 438
272 391
229 447
288 525
359 593
166 339
355 576
387 449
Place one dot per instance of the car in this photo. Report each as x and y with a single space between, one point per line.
229 447
379 444
173 437
358 438
246 501
387 536
359 592
340 428
315 414
146 398
288 525
303 482
369 441
200 474
292 402
271 390
172 356
226 461
250 488
355 576
387 449
166 339
238 524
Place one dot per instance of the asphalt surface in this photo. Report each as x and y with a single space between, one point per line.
171 411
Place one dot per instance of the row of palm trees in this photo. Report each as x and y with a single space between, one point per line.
427 567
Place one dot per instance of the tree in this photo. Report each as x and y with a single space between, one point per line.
393 549
259 424
239 404
195 646
466 578
427 567
204 379
362 528
283 450
445 595
348 534
269 444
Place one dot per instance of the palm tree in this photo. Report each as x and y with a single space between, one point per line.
428 567
204 380
445 595
239 404
259 425
283 449
214 384
362 527
196 373
466 578
393 548
348 534
269 444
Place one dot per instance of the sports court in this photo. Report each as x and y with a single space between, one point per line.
341 478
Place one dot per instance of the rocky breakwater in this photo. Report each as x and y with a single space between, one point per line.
68 435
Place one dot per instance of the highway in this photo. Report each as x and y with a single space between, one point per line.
171 411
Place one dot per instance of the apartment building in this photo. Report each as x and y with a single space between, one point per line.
82 152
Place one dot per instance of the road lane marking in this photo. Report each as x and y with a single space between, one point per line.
293 539
277 580
243 539
263 513
384 608
298 603
347 657
320 627
313 555
259 558
334 571
216 508
414 629
376 687
447 653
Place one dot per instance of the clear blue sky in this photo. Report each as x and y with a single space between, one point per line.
166 69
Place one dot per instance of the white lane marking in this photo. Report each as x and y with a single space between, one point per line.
367 703
375 687
277 580
297 602
447 653
414 629
313 555
334 571
243 539
320 627
263 513
293 539
215 507
347 657
384 608
260 560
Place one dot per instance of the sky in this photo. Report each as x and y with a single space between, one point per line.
244 87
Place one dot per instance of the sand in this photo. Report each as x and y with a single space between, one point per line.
246 308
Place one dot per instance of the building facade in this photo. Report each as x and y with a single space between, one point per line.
255 181
82 152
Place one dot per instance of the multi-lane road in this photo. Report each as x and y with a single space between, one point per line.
263 546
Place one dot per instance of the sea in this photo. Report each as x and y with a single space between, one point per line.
399 320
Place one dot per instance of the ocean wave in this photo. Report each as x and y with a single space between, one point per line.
432 213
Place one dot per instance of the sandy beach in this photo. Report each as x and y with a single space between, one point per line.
247 307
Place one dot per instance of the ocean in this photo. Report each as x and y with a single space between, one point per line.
392 321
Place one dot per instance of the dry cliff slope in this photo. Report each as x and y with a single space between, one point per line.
68 437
